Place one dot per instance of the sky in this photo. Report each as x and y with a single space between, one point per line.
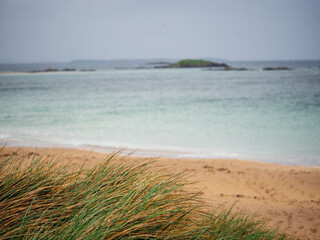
64 30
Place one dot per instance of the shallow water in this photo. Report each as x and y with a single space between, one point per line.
271 116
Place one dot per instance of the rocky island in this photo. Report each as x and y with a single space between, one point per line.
276 68
194 63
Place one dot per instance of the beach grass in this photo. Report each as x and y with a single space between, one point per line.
47 198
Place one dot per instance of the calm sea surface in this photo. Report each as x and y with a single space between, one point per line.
271 116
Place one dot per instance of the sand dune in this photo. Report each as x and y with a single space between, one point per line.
287 197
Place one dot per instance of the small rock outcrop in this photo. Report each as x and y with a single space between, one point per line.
276 68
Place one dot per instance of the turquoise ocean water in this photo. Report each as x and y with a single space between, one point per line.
271 116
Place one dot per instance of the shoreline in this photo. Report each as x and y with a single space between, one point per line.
283 196
158 153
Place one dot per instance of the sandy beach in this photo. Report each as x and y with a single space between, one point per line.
287 197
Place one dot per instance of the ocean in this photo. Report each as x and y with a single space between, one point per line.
270 116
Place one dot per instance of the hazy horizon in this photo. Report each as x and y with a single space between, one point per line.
146 59
36 31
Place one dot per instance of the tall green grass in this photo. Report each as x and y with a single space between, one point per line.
47 199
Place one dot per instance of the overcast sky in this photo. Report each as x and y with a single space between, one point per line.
64 30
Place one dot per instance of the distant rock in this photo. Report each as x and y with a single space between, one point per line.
234 69
45 70
276 68
226 69
63 70
50 70
69 70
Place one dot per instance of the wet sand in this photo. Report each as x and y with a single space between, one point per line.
287 197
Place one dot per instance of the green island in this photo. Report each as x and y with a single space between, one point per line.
194 63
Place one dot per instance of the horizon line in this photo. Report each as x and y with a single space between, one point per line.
159 58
